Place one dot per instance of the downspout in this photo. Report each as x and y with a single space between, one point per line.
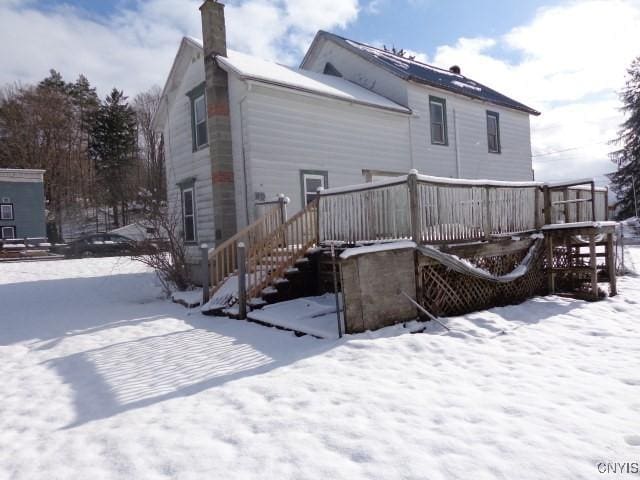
455 133
244 157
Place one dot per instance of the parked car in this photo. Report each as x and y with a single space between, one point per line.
99 244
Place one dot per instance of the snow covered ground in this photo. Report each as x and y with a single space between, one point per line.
103 379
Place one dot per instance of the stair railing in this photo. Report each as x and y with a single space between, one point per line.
223 258
278 252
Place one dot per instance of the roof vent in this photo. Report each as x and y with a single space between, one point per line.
455 69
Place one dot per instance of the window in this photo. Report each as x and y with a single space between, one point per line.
311 180
329 69
188 215
8 233
200 121
493 132
6 211
198 117
438 118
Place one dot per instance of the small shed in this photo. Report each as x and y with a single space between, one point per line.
22 212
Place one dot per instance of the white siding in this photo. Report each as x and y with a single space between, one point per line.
514 161
181 161
286 132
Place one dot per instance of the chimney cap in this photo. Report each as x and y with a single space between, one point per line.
455 69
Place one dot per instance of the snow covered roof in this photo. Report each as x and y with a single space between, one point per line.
253 68
422 73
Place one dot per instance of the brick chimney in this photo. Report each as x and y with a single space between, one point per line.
214 40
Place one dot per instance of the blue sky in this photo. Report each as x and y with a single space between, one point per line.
566 58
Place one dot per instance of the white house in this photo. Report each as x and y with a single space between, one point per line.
239 130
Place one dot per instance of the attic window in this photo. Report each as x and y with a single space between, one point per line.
329 69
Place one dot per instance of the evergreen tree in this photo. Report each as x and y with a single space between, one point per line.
112 147
627 157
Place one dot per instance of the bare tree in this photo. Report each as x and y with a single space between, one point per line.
151 143
164 249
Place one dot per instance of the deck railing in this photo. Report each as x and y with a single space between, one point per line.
441 210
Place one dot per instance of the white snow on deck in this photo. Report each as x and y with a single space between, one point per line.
255 68
312 315
378 247
103 378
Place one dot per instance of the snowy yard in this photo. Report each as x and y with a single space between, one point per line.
102 379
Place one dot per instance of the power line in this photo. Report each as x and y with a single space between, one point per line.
568 149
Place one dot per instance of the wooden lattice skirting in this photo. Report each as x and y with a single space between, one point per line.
445 292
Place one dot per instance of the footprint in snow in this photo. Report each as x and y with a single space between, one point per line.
633 440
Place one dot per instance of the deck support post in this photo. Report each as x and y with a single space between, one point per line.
593 265
242 282
206 274
537 221
551 279
611 265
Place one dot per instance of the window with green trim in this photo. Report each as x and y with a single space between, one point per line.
493 132
198 102
438 120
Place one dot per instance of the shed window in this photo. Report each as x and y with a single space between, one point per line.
311 181
6 211
200 121
8 233
188 215
493 132
438 119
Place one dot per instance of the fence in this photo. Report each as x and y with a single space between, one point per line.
441 210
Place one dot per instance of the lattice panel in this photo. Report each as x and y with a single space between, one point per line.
445 292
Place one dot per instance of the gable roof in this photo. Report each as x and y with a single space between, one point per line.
252 68
419 72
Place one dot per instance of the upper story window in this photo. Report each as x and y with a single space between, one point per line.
493 131
438 120
198 117
6 211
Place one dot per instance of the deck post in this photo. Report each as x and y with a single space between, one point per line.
536 209
606 204
593 200
487 214
547 204
593 265
204 250
567 210
611 265
412 182
242 282
551 279
317 219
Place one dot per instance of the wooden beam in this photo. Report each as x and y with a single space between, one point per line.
593 267
611 265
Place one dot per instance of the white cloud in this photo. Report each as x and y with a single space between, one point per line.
134 47
570 62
